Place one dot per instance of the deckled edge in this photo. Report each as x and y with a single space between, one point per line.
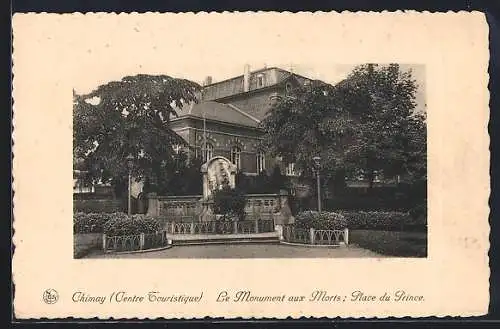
260 12
427 316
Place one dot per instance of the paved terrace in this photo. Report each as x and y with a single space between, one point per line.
248 251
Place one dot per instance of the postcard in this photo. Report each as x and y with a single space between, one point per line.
258 165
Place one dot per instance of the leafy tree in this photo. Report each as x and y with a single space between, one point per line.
185 179
129 117
277 181
308 124
391 137
367 122
243 182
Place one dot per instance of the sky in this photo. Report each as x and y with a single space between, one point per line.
332 74
192 47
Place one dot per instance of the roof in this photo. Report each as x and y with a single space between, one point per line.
234 86
212 110
283 75
241 75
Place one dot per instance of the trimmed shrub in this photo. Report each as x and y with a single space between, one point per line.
93 222
320 220
384 220
136 224
419 211
401 244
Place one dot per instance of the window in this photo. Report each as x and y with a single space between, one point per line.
290 169
260 81
209 153
377 176
82 183
177 148
236 156
261 162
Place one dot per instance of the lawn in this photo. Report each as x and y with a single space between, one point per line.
392 243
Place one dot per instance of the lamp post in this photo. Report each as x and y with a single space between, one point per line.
130 164
316 168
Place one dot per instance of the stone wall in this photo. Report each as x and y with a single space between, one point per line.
179 208
188 208
86 242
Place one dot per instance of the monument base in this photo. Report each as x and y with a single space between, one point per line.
207 213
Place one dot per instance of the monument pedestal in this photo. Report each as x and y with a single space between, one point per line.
207 213
284 215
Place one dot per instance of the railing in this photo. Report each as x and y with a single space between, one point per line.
155 240
134 242
122 243
221 227
265 225
315 237
295 235
330 237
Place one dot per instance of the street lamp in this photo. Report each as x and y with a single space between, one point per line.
316 169
130 164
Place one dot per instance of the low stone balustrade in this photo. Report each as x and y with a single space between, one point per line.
189 208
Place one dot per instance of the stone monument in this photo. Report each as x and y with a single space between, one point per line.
217 173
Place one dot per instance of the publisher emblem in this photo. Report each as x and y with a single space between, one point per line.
50 296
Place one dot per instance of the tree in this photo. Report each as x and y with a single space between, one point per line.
130 117
277 181
367 122
185 178
391 137
307 124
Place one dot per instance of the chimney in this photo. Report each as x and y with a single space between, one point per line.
246 79
207 81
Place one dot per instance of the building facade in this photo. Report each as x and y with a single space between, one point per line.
225 122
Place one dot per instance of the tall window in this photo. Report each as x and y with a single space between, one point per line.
177 148
260 81
209 153
236 156
290 169
261 162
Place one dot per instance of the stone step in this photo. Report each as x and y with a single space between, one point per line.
228 240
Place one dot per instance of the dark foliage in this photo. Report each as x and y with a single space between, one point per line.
229 202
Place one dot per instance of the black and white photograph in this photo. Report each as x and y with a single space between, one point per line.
274 161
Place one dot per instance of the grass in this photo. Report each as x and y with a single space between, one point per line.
392 243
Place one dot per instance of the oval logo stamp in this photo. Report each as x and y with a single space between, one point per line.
50 296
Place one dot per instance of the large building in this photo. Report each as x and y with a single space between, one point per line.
226 119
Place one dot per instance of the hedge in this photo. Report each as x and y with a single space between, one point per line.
93 222
114 223
136 224
392 243
229 202
320 221
384 220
